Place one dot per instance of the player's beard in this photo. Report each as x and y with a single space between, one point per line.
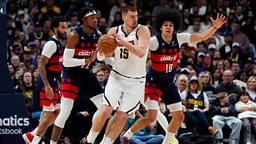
62 35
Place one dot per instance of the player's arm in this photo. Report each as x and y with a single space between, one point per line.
143 42
48 50
42 70
216 24
69 52
152 47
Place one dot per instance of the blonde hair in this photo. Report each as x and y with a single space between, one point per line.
201 77
249 79
221 95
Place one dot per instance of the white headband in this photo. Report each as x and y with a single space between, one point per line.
90 13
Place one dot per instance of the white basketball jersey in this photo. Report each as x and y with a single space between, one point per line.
126 63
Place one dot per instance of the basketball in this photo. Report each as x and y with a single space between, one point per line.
107 44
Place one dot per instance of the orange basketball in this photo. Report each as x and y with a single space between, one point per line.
107 44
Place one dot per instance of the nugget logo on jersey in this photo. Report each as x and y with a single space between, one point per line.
168 58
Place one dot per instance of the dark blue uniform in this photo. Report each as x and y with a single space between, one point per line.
79 80
195 103
53 72
159 81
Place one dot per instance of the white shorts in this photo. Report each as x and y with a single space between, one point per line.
124 93
97 100
51 108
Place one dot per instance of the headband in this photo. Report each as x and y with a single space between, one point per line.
93 12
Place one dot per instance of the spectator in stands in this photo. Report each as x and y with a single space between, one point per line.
248 65
235 55
196 27
15 61
225 50
26 87
197 105
102 25
247 114
251 87
240 37
235 69
182 85
115 9
224 114
216 78
11 71
199 65
101 77
205 80
227 84
253 73
227 64
146 135
243 76
220 65
117 20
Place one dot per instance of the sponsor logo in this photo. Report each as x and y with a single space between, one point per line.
11 124
14 121
168 58
84 53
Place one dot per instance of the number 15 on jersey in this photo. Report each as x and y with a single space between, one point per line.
124 53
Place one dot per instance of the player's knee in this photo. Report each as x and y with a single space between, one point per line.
121 117
48 118
104 112
151 118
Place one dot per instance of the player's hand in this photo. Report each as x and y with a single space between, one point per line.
49 92
119 40
219 21
85 113
90 60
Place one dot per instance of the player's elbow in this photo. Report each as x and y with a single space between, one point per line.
66 62
141 55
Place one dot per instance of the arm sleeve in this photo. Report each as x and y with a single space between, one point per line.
69 60
153 44
183 38
206 100
49 49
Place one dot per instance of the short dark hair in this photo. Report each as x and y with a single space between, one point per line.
55 22
243 93
167 15
128 8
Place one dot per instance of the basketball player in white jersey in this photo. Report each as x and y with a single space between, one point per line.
125 87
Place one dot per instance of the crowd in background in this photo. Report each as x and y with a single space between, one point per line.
226 62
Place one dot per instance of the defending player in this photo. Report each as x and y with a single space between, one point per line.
77 80
165 50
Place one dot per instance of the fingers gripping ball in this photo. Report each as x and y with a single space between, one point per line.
107 44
